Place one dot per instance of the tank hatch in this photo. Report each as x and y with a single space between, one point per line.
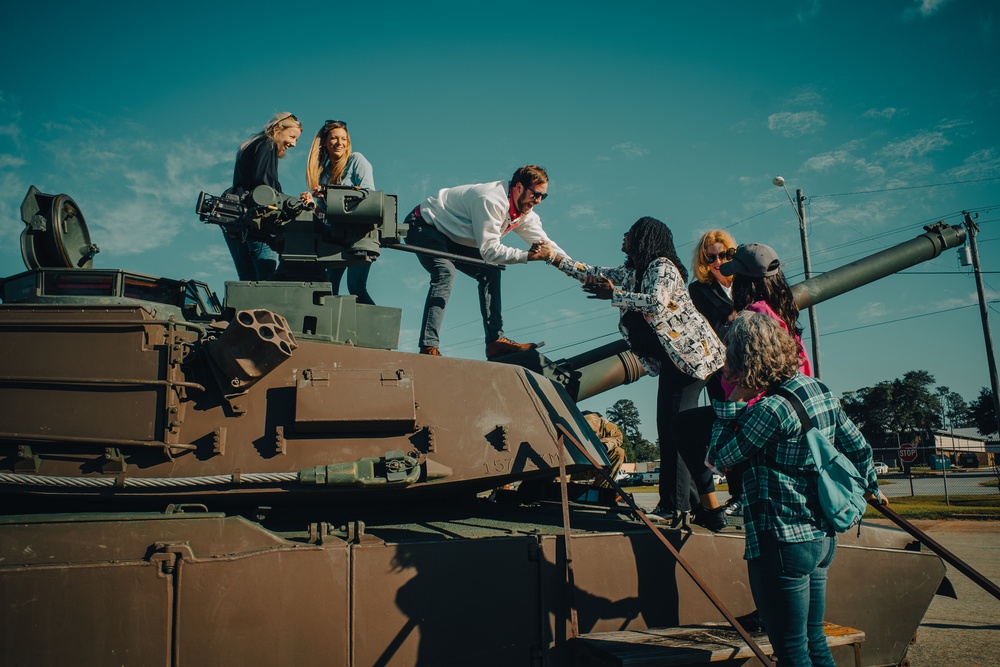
56 234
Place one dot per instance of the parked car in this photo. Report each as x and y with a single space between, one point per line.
632 479
881 468
968 460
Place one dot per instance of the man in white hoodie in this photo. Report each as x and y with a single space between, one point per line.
471 221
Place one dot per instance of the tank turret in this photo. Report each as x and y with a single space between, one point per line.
285 390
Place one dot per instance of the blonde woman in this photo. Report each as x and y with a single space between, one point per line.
711 291
257 164
331 161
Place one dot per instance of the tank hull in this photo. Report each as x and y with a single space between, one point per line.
144 415
462 584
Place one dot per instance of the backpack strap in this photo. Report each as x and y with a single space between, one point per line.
800 409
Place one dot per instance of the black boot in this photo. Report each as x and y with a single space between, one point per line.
713 519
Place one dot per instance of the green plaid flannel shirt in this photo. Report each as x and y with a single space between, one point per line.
780 493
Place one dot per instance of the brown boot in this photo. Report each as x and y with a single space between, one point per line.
431 350
502 346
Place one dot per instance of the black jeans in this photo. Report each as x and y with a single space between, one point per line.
691 433
676 392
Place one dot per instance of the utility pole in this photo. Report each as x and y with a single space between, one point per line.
800 200
800 212
984 313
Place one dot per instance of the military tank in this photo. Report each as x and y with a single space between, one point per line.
266 479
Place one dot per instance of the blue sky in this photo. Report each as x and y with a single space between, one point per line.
884 113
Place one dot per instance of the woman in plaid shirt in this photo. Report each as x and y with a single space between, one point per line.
789 543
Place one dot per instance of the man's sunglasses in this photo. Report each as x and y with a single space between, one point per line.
722 256
535 194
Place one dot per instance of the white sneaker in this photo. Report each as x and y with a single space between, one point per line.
734 508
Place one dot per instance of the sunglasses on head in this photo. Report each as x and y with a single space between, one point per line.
328 122
722 256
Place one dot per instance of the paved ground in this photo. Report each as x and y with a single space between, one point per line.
963 632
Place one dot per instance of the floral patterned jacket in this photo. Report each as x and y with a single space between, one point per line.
664 302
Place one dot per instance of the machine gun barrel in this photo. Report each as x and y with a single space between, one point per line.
612 365
446 255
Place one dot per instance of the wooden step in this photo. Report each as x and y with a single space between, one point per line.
690 645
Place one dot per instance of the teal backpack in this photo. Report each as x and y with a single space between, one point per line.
841 487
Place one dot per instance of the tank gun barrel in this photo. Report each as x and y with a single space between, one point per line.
937 238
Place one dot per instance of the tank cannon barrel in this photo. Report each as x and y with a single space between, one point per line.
612 365
937 238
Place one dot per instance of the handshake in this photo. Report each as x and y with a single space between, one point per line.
540 250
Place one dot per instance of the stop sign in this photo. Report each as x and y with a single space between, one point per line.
907 453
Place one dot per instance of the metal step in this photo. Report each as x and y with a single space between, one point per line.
692 645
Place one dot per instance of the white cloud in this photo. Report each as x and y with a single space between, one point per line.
11 130
630 149
11 161
807 11
795 124
847 156
805 97
885 114
927 8
579 210
916 146
874 310
983 163
133 227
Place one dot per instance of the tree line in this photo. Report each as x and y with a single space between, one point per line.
910 407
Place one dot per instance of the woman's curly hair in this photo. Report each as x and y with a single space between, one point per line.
759 353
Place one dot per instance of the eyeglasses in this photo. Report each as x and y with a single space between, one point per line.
722 256
535 194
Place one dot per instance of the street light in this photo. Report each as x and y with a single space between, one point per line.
800 199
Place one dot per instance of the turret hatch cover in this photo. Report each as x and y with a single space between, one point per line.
56 234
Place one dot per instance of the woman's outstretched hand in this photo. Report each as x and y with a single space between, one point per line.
598 287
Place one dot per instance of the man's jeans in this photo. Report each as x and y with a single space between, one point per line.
425 235
357 281
788 582
254 260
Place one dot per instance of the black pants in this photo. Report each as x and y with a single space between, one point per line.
676 392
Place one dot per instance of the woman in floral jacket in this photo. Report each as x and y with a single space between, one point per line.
668 334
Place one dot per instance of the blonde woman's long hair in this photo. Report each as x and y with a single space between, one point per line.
279 121
699 265
319 158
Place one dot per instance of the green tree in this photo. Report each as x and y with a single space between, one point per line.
982 413
955 411
906 406
626 416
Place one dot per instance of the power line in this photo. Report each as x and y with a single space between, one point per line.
909 187
901 319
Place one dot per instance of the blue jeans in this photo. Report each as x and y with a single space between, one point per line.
357 281
425 235
254 260
788 582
